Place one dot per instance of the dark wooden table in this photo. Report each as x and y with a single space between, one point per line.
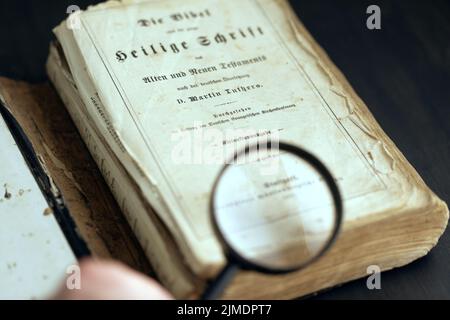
402 72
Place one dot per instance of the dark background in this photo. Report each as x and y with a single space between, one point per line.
402 72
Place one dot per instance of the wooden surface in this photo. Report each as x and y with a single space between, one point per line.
402 72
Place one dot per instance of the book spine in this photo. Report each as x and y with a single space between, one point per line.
173 275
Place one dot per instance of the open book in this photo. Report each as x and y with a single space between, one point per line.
143 80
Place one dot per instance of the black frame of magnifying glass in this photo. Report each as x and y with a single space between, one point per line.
233 255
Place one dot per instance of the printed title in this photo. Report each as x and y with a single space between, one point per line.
218 38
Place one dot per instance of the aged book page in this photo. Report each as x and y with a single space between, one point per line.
155 75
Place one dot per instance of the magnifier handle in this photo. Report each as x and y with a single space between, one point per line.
218 285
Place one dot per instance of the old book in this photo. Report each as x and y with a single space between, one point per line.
139 77
34 251
72 174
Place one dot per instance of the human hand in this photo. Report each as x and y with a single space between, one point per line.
111 280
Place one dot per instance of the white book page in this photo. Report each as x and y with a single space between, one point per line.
35 254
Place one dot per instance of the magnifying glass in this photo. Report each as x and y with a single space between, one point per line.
275 209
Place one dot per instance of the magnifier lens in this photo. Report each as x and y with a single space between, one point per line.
274 209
